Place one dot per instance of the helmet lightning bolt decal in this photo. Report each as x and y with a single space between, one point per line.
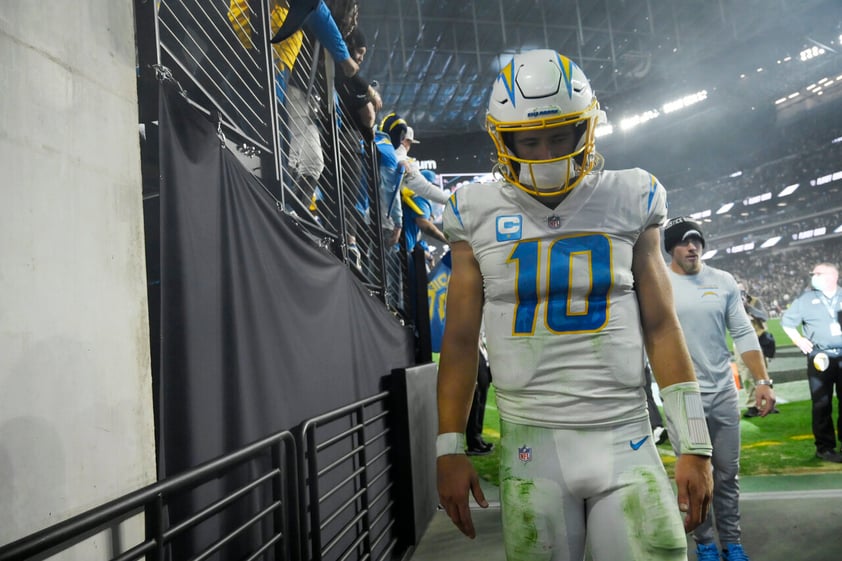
566 66
507 76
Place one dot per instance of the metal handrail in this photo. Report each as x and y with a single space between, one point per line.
151 501
358 523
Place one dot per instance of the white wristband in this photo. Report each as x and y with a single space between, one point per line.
450 443
686 418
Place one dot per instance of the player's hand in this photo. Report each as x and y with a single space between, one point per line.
457 476
694 479
765 399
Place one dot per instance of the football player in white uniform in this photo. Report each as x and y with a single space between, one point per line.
563 263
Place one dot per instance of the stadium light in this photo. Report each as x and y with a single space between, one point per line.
757 199
811 53
788 190
603 130
770 242
635 120
807 234
709 254
742 248
830 177
685 101
725 208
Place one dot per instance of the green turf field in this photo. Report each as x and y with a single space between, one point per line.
776 444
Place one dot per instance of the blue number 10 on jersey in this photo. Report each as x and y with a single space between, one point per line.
574 283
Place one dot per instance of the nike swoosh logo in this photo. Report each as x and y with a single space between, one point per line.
635 445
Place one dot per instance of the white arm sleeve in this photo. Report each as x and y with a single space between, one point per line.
420 186
686 418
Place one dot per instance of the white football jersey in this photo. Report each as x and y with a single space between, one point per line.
561 316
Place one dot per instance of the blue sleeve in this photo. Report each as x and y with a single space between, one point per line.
424 205
321 22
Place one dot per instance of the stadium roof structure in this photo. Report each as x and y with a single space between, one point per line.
435 60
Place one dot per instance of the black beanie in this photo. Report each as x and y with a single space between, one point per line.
679 229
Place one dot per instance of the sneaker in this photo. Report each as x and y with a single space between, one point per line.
660 435
751 412
829 456
734 552
707 552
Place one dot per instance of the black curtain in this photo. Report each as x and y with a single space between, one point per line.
260 328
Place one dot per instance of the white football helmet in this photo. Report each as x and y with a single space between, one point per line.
542 89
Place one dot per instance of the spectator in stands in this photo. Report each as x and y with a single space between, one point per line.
305 152
346 13
418 216
417 219
756 311
391 217
390 177
818 313
358 98
403 137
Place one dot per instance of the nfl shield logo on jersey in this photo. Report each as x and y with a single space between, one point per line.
554 222
524 454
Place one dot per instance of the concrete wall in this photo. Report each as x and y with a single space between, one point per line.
76 426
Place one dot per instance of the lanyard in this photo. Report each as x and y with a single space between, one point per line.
830 304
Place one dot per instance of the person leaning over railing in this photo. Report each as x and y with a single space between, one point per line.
403 137
358 96
305 152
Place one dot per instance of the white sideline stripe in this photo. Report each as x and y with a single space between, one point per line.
789 495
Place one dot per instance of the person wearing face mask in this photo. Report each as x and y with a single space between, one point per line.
818 314
708 302
561 263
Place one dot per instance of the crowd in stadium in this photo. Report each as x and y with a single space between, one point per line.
807 221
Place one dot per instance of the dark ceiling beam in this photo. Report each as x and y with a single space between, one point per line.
502 22
420 22
579 28
400 26
476 35
544 26
492 54
613 46
580 36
